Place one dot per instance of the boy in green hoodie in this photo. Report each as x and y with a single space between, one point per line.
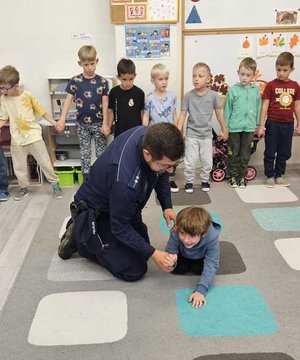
242 116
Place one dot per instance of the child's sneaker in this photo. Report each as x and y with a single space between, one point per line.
188 188
270 183
243 183
174 187
22 193
57 193
232 182
205 186
4 195
282 181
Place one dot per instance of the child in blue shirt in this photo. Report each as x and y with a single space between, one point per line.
161 104
196 244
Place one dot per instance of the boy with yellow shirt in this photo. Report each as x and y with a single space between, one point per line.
20 108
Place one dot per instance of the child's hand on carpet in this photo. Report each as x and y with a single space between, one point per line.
197 299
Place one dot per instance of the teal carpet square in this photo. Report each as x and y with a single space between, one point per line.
278 219
215 217
231 310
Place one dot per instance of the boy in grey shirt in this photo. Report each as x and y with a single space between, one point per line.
200 103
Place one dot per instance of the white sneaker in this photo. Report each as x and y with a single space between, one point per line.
282 181
270 183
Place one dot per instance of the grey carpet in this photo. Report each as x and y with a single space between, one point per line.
153 328
231 261
198 197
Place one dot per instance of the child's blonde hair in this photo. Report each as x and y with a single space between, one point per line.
87 53
9 75
249 64
284 59
193 220
202 65
158 69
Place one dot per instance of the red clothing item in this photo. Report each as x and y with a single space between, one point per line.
282 96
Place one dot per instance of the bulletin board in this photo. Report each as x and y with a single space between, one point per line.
232 14
144 11
223 54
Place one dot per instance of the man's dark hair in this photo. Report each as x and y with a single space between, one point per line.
164 139
125 66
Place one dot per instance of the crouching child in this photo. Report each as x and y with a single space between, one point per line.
195 241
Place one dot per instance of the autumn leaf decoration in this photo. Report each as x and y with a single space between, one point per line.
217 83
279 41
246 43
263 41
294 40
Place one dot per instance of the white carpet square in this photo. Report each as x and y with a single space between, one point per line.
262 194
76 318
76 269
289 249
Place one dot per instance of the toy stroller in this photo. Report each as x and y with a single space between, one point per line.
220 159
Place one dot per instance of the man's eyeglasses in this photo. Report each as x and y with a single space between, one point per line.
165 167
5 89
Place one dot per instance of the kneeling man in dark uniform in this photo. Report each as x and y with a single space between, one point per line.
106 224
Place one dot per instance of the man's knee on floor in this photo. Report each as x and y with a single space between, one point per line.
134 273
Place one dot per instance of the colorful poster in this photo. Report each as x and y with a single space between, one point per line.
144 42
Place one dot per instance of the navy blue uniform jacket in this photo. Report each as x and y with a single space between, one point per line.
120 183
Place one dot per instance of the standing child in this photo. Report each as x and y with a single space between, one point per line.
20 107
281 100
200 103
196 244
90 93
126 101
242 113
161 104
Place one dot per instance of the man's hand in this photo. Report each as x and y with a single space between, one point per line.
163 260
197 299
169 216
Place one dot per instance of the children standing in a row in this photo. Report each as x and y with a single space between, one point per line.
281 100
242 113
200 103
90 93
161 105
20 108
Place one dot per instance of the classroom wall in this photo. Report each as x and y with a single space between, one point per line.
36 37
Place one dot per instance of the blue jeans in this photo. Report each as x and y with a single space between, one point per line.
278 147
3 171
